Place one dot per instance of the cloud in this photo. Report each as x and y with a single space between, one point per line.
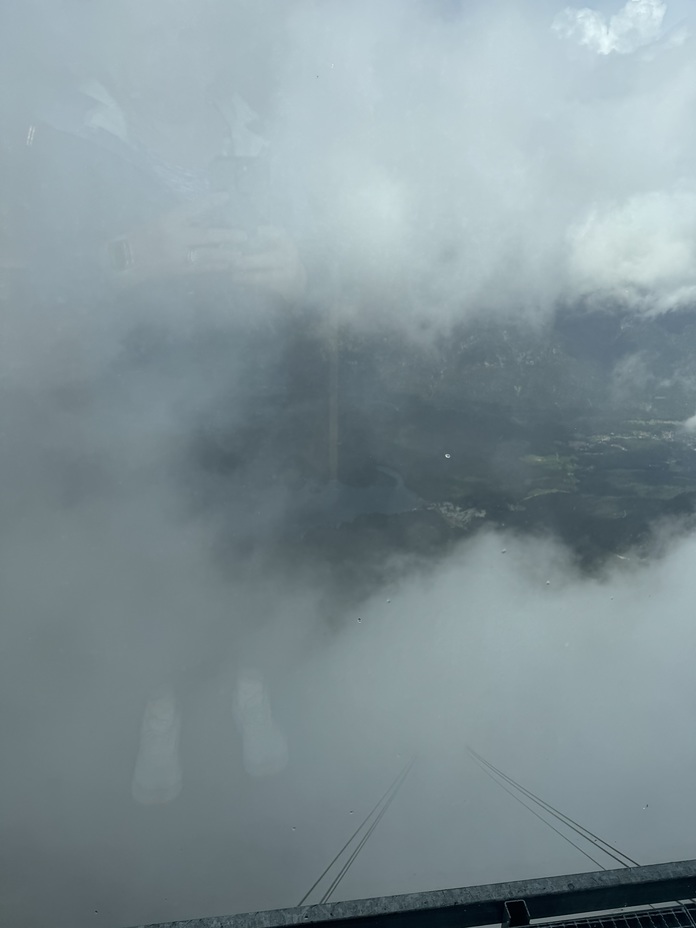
446 168
642 251
506 646
638 23
468 164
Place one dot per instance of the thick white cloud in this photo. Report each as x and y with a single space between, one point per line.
637 24
642 250
485 164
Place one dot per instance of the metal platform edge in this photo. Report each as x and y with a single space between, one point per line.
471 906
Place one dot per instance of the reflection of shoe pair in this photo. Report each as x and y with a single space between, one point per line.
157 777
264 746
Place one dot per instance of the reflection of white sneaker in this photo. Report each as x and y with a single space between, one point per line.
264 746
157 776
